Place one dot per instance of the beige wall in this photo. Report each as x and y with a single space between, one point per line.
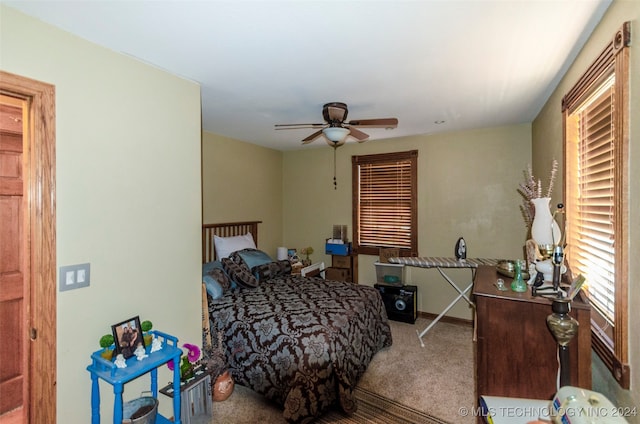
467 187
467 184
128 197
547 144
243 182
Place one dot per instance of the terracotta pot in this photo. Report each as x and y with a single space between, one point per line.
223 387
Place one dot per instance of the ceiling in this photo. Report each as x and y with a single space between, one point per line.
436 65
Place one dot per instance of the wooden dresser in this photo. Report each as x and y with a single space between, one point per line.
516 354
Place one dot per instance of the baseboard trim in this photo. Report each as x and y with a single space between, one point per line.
451 320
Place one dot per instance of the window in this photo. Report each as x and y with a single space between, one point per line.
595 113
385 202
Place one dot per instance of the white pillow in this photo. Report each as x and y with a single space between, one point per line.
227 245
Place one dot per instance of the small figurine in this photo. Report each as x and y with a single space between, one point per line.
532 273
533 253
120 362
140 353
156 344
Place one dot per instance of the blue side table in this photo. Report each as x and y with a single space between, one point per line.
100 368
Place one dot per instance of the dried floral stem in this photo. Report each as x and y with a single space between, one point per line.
539 188
532 189
552 178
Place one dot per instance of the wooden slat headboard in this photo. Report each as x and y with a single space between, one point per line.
227 229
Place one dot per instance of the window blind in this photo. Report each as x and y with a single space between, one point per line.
596 126
591 234
385 201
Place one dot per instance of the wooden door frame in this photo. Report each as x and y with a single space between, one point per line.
40 220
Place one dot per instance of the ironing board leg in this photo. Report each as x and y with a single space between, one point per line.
420 335
462 294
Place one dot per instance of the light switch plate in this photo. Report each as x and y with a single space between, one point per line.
74 276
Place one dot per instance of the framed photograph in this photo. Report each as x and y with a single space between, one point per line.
128 336
293 256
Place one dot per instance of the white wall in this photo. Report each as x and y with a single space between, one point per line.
128 197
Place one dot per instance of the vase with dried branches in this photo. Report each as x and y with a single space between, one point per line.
532 188
541 224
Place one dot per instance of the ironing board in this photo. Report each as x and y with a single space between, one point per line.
440 263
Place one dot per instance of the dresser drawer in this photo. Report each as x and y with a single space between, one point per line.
341 261
338 274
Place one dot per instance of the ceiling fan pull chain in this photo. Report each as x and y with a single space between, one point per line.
335 183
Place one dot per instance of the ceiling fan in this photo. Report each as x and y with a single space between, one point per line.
336 128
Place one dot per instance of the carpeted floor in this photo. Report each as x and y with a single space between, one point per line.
437 380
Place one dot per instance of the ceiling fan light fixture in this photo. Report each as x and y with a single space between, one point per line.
336 134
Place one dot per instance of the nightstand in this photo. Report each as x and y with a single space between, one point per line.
343 268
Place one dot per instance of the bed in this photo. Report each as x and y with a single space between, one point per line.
302 342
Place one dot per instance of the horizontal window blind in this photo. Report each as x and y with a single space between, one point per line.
385 204
592 231
385 209
596 126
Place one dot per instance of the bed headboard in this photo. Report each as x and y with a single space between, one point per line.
227 229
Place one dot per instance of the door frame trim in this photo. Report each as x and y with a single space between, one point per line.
40 211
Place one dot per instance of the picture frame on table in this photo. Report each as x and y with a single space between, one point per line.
128 336
293 256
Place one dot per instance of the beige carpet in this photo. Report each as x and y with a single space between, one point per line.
437 380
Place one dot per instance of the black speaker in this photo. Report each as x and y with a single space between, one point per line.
400 302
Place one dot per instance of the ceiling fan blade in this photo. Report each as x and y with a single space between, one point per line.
296 126
312 137
358 135
375 123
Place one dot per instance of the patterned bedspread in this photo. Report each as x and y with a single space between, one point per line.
302 342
